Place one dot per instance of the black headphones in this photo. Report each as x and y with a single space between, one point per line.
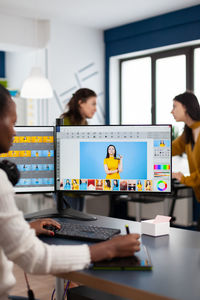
11 170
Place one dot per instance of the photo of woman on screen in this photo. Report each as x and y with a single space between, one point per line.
115 185
99 184
139 185
67 185
112 164
131 185
162 143
148 185
83 184
107 185
75 184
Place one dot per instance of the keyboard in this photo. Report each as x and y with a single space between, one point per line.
83 232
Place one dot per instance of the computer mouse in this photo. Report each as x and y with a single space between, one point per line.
51 227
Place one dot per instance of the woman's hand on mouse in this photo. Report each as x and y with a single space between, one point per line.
177 175
38 226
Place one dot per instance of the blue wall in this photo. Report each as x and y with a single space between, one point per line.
168 29
2 64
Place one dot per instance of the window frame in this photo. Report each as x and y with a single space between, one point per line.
188 51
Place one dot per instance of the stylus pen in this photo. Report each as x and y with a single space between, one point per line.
127 229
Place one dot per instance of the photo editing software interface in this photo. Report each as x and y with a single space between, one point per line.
114 158
33 153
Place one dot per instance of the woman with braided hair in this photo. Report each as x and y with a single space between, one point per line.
18 242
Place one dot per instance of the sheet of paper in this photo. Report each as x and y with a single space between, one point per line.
161 219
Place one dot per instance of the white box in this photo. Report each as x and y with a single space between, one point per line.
149 227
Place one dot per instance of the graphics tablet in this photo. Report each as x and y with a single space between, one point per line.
139 262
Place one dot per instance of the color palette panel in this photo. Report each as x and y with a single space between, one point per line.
161 167
161 185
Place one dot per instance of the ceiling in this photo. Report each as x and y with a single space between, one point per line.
101 14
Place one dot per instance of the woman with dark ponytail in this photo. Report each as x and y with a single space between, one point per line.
186 109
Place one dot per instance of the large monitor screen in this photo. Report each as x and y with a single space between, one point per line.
33 153
117 159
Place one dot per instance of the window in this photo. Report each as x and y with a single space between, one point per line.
197 72
170 81
136 91
149 83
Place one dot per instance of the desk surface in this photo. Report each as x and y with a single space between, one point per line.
176 266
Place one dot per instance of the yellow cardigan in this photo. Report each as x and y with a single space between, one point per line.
178 147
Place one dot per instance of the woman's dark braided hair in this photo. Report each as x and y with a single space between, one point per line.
9 167
4 99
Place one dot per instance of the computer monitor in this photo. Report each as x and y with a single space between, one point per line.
113 159
33 153
82 163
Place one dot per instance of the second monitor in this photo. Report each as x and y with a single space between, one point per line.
33 153
116 159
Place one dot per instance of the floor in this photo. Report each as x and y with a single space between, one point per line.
42 286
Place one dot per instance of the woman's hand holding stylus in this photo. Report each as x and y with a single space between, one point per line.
119 246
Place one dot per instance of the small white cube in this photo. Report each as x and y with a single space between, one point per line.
149 227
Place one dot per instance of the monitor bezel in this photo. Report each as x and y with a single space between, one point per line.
39 192
143 193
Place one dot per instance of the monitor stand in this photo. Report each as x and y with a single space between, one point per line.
61 212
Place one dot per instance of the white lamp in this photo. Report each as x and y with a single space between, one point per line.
36 86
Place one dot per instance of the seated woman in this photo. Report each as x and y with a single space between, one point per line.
112 164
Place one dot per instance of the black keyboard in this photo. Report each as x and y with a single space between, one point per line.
83 232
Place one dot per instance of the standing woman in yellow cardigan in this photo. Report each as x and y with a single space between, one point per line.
186 109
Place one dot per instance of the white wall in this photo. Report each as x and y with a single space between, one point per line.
18 32
19 64
73 58
71 49
17 68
